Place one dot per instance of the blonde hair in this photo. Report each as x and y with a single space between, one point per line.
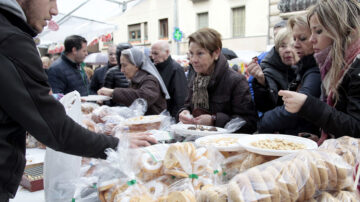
299 20
281 36
207 38
341 20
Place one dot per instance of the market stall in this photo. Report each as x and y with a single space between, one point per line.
197 163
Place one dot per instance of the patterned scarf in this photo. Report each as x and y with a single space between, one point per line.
200 97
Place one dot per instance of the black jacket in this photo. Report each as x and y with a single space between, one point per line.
25 105
175 80
66 76
344 119
114 78
98 79
277 77
308 82
229 97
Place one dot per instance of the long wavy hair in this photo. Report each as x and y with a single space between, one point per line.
341 20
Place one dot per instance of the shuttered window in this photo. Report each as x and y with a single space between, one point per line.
164 30
203 20
238 21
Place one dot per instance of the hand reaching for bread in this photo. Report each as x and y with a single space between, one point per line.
141 140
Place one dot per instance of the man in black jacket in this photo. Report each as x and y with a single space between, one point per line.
98 79
66 74
173 75
25 103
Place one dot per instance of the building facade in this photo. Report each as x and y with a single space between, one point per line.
243 24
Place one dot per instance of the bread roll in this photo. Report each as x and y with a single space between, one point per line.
259 185
347 196
246 190
326 197
269 178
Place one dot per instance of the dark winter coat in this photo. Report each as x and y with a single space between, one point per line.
25 105
114 78
66 76
344 119
98 79
229 97
308 82
174 78
277 77
146 86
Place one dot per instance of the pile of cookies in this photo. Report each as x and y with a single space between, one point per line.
346 147
295 177
340 196
237 162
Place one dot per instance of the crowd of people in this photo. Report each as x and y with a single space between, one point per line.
307 84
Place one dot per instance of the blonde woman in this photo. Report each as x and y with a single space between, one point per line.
306 81
335 27
274 73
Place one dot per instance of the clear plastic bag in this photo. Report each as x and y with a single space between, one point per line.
346 147
118 174
183 160
86 190
295 177
235 124
60 169
88 107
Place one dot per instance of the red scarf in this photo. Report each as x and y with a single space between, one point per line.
350 55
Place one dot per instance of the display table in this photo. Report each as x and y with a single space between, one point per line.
33 156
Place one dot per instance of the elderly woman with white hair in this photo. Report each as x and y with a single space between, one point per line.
145 82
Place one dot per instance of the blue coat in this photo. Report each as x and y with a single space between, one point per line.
66 76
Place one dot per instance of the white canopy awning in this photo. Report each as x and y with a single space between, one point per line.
84 17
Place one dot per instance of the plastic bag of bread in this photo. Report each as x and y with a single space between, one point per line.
111 122
294 177
341 196
212 193
346 147
86 190
180 191
118 172
243 161
183 160
88 107
150 122
99 113
150 162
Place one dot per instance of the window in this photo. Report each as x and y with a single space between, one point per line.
164 30
203 20
145 31
238 21
134 32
